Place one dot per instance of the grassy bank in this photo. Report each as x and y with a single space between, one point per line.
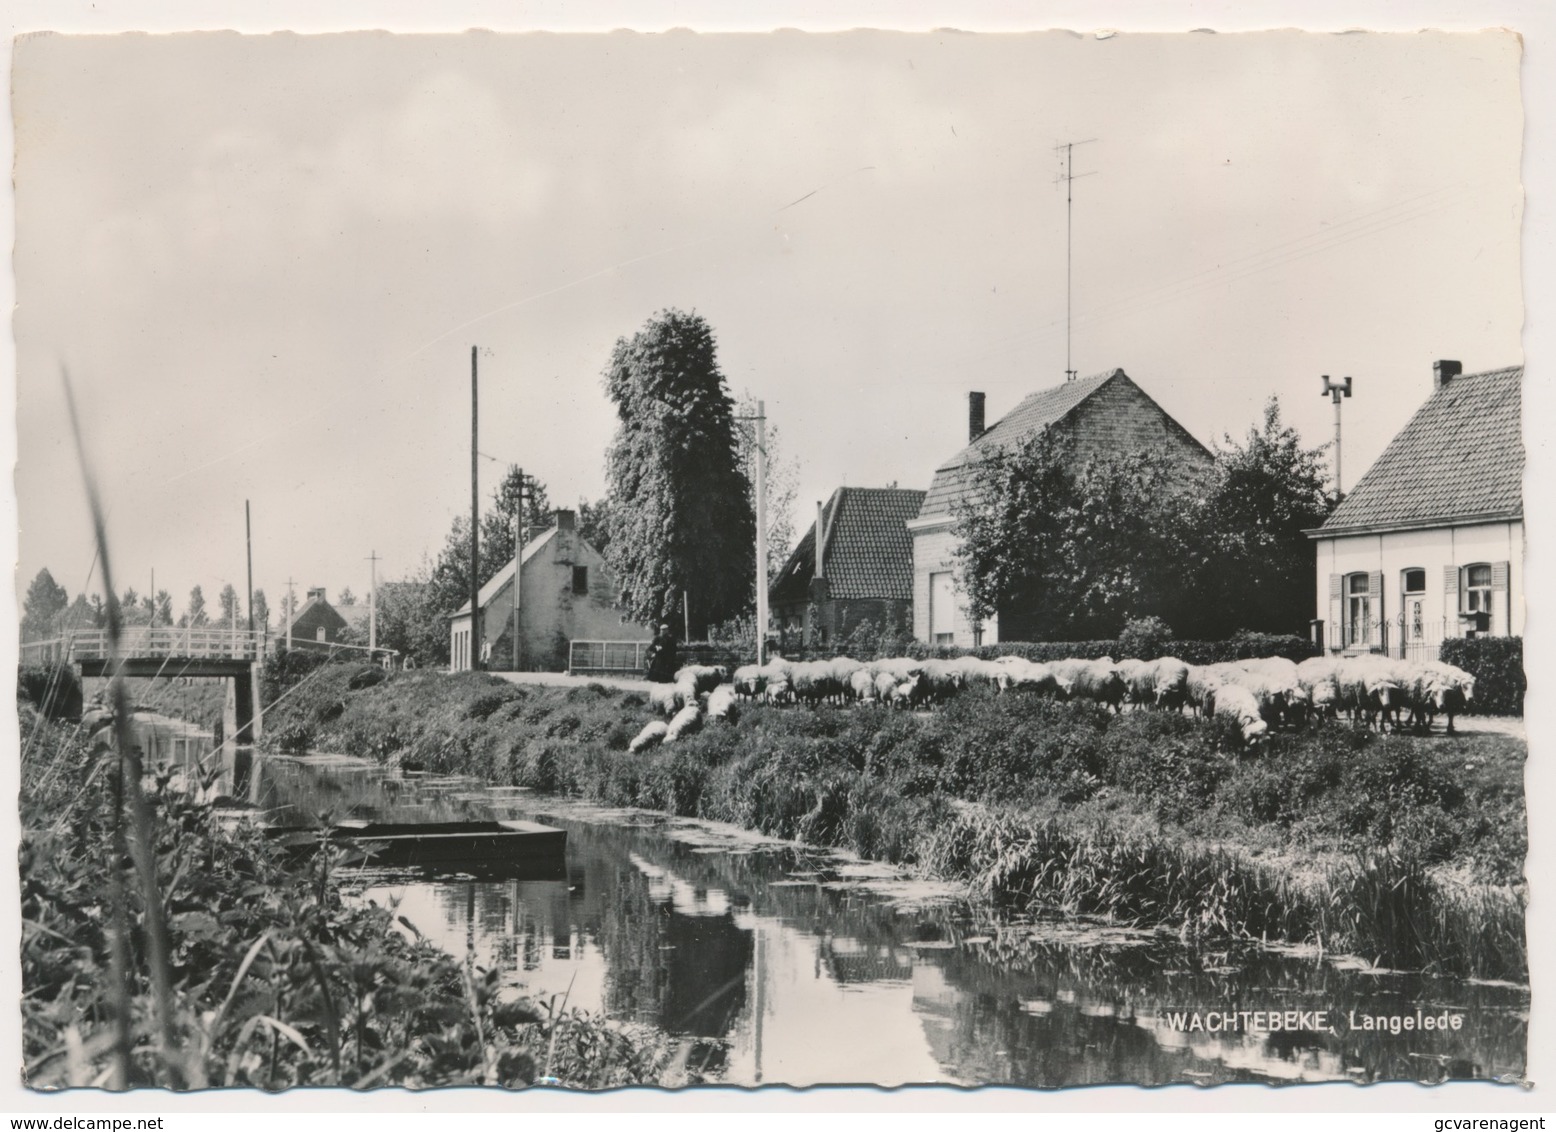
1406 850
270 980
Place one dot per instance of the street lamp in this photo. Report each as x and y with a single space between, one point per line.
1337 391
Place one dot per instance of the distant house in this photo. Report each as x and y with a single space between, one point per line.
316 624
1104 414
1430 543
864 571
565 592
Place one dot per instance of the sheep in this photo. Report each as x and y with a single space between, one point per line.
885 683
671 698
1200 687
1171 679
750 680
812 681
899 666
841 669
861 684
1234 702
779 690
650 736
722 703
1096 680
942 679
908 691
977 672
687 720
1139 677
1456 688
1029 676
1275 683
706 677
1367 686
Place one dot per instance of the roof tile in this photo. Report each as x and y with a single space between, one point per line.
869 551
1460 457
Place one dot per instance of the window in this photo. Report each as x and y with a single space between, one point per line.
942 608
1475 592
580 579
1358 609
1415 581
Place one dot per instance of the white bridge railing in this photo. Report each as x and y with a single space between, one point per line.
142 641
605 658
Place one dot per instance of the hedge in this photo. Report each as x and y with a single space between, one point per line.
1497 663
55 690
1244 646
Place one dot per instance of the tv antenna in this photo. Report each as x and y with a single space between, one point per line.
1069 178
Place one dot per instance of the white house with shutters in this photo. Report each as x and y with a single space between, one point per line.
1430 543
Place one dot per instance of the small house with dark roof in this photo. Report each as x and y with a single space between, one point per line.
564 592
317 623
1103 415
1430 543
864 571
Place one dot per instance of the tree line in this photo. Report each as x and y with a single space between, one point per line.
48 610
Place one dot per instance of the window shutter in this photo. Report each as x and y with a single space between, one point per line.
1375 586
1499 575
1336 608
1451 580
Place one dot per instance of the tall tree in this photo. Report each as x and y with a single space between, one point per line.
229 606
497 524
1268 489
45 601
783 482
195 615
163 608
346 597
410 620
681 517
594 521
449 577
1065 549
261 610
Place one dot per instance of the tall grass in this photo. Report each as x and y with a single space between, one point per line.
1335 836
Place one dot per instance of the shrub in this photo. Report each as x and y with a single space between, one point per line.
1497 663
1146 638
54 689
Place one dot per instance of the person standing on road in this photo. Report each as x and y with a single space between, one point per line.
660 657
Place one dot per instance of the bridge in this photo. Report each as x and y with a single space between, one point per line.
167 650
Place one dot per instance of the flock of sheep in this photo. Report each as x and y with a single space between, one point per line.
1255 694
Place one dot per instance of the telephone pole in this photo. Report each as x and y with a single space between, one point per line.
1336 391
248 537
475 522
372 606
1069 180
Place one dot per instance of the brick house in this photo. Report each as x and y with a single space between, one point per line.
317 623
1430 543
864 572
1104 414
565 592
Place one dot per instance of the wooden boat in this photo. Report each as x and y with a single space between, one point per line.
432 843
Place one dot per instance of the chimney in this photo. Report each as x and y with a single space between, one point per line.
316 592
975 427
820 542
1443 372
562 519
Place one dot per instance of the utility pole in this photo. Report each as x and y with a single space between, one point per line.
518 563
475 523
248 534
1336 391
372 606
1069 180
761 529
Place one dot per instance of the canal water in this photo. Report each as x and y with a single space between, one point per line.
772 962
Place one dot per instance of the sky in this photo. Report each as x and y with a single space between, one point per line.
264 260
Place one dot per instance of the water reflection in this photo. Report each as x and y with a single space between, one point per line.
780 964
